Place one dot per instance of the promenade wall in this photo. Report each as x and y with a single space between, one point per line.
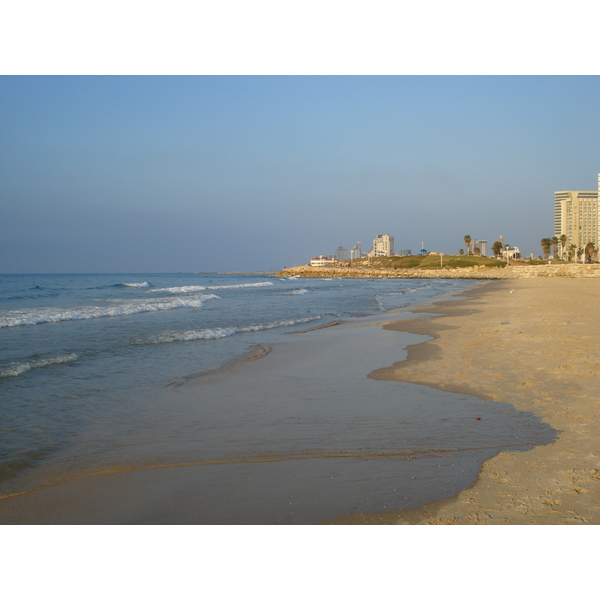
476 272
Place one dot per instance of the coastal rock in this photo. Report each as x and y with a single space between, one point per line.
476 272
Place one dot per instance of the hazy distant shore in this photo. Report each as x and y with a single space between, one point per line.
531 343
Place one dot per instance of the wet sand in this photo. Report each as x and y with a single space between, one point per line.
532 343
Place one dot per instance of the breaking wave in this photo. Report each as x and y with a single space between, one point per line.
296 292
16 318
199 288
16 369
144 284
221 332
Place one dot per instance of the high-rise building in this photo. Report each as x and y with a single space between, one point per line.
481 244
383 245
341 253
356 252
576 216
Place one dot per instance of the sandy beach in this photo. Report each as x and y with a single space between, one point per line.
530 342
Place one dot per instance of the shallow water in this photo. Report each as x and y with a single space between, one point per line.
301 435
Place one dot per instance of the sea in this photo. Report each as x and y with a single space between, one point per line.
194 383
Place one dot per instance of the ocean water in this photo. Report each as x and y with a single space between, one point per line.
131 371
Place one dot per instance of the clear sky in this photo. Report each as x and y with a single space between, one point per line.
206 173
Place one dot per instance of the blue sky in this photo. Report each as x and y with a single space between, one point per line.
205 173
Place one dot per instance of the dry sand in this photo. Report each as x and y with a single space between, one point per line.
535 348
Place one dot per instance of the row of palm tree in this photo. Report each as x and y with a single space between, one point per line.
553 243
549 244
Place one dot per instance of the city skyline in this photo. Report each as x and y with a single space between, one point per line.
152 174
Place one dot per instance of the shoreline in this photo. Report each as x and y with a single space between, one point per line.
452 323
326 372
530 343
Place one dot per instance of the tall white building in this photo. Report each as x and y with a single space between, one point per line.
383 245
577 217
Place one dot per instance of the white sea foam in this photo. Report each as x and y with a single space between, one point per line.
221 332
402 293
144 284
296 292
15 318
185 289
198 288
16 369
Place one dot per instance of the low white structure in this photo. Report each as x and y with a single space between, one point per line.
322 261
511 252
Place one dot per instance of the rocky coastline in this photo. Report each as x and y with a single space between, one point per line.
475 272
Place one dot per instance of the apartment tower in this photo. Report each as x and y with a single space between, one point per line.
576 216
383 245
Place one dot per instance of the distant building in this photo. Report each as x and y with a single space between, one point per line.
356 252
576 215
383 245
511 252
322 261
403 253
341 253
481 244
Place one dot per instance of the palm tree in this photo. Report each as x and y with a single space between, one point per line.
563 245
546 245
555 246
477 251
467 240
590 250
571 251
